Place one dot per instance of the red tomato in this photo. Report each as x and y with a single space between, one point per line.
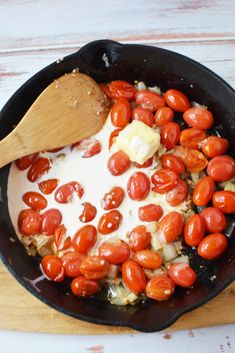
194 160
48 186
38 167
139 238
138 186
65 192
182 274
170 227
214 146
150 213
170 134
194 230
149 100
173 162
113 136
50 220
164 180
115 253
221 168
133 276
113 198
192 137
26 161
88 213
109 222
105 89
61 242
55 150
94 267
118 163
215 220
212 246
71 262
176 100
121 112
199 117
163 116
177 195
122 89
148 259
29 222
35 200
146 164
160 288
52 267
85 239
224 201
93 147
204 191
144 115
83 287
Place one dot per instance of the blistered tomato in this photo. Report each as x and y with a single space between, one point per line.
138 186
118 163
204 191
182 274
194 230
114 252
29 222
164 180
221 168
177 195
149 100
212 246
48 186
170 227
192 137
173 162
214 146
176 100
224 201
215 220
120 89
150 213
94 267
35 200
160 288
139 238
113 198
88 213
121 113
144 115
26 161
163 116
53 268
38 167
109 222
71 262
133 276
148 259
199 117
85 238
170 134
50 220
83 287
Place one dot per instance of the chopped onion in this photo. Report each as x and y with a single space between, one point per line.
169 252
155 89
118 295
156 245
181 259
141 86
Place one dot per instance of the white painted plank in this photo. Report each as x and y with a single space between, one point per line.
30 24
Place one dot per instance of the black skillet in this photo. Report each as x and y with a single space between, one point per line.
153 66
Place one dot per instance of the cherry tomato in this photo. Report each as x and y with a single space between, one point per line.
182 274
221 168
88 213
164 180
85 238
109 222
148 259
214 219
35 200
199 117
192 137
133 276
138 186
52 267
160 288
149 100
48 186
212 246
29 222
146 164
170 227
118 163
93 147
26 161
38 167
139 238
144 115
214 146
194 230
194 160
176 100
150 213
163 116
113 198
65 192
224 201
120 89
113 136
60 240
115 253
177 195
173 162
71 262
83 287
204 191
105 89
121 112
55 150
170 134
94 267
50 220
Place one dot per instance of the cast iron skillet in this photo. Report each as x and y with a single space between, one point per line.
153 66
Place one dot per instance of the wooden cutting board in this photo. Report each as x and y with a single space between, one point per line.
20 311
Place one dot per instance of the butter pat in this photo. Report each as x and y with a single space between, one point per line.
138 141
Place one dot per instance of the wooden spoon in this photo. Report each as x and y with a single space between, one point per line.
70 109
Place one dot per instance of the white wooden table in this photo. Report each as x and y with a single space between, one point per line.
33 33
